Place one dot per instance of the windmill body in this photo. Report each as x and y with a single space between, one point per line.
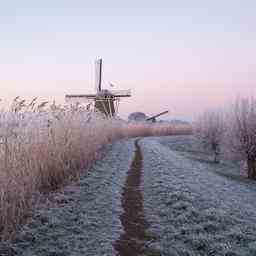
106 101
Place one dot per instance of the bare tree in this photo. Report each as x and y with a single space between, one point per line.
241 137
209 129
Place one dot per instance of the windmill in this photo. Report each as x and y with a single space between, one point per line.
105 101
153 118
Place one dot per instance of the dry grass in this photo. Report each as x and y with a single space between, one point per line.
148 129
42 146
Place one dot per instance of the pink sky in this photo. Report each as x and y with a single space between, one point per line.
173 55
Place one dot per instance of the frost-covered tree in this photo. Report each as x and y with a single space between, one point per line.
209 129
241 137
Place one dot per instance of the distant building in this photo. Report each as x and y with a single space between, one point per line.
137 116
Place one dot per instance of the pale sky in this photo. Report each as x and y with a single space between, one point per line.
183 55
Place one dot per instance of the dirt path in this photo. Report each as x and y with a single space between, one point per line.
134 239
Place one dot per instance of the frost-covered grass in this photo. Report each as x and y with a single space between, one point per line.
44 146
192 209
83 217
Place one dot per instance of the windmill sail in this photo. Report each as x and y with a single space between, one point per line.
98 75
120 93
153 118
79 98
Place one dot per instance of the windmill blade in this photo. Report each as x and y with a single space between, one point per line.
155 116
77 100
83 98
98 75
121 93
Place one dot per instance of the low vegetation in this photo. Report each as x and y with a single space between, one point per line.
44 145
234 136
209 130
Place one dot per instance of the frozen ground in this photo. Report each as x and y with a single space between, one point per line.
85 220
192 207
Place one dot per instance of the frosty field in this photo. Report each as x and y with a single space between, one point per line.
191 206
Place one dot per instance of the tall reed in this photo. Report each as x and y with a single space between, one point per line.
43 145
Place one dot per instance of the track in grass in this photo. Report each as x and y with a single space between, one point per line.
134 239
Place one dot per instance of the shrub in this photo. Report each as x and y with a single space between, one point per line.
241 135
209 130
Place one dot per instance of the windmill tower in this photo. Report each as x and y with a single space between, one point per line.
105 101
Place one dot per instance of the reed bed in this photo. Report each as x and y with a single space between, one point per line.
42 146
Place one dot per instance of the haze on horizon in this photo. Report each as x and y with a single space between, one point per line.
184 55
